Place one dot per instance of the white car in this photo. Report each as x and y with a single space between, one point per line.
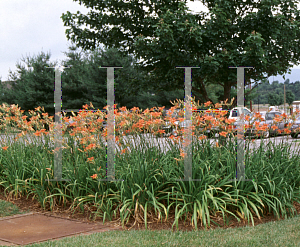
263 114
181 125
295 129
236 112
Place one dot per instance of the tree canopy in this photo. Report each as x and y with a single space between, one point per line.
166 35
290 97
264 89
275 99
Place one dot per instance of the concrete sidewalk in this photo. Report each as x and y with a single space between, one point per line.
24 229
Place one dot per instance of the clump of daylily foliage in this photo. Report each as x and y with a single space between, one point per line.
148 187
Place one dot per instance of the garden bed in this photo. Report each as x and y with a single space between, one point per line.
150 191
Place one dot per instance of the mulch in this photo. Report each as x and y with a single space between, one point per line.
25 204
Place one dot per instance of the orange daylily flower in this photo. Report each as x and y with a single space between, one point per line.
161 131
90 159
259 128
207 103
257 115
209 118
202 137
289 125
229 121
248 126
94 176
223 133
229 127
276 119
247 118
217 105
265 126
182 153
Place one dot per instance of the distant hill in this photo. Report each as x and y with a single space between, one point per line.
294 76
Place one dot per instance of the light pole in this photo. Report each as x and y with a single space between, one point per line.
258 94
258 100
284 98
250 99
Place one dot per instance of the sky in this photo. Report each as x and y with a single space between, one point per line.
29 27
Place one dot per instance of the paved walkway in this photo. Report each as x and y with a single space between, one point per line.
24 229
162 143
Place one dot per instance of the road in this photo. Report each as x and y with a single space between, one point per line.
162 142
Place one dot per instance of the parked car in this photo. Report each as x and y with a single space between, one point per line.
263 114
274 108
269 120
236 112
250 131
169 129
295 128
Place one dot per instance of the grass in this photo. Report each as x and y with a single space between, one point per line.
9 209
285 233
150 190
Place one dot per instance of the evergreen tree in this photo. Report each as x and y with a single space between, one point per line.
34 87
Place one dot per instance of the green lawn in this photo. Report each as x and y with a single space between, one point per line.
8 209
285 233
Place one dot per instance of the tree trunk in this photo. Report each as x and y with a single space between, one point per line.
227 89
202 90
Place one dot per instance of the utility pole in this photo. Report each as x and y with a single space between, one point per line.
250 100
284 97
258 97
